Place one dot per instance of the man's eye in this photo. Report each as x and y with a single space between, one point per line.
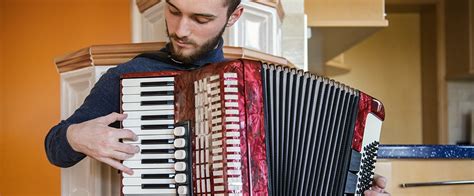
174 12
201 20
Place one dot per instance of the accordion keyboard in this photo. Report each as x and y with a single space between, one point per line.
160 167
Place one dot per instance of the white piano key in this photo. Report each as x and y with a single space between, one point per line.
138 115
138 122
179 131
139 190
138 106
216 150
139 181
137 173
180 154
180 166
131 90
139 98
235 194
139 165
180 178
150 156
139 131
179 143
156 146
182 190
138 81
149 137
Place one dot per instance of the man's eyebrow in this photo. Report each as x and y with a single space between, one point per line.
195 14
169 3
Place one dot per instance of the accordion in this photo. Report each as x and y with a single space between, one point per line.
245 127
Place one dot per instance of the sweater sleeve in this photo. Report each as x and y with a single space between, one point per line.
102 100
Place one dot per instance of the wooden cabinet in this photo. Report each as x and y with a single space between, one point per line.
460 39
337 25
400 171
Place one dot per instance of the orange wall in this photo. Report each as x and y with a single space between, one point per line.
34 32
1 95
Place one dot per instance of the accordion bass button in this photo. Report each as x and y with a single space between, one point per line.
180 166
180 178
182 190
180 154
179 131
179 143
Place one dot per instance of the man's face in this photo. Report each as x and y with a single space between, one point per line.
194 27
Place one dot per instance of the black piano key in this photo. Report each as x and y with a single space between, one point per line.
152 127
157 117
288 118
157 186
156 161
157 151
158 141
157 176
156 93
278 150
145 103
152 84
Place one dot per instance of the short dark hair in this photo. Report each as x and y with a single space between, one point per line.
231 5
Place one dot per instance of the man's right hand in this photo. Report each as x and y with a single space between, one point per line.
96 139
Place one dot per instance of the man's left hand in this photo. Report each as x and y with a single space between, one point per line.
378 187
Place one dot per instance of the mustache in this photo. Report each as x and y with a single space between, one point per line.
184 40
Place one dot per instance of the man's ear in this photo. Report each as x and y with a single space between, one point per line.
235 15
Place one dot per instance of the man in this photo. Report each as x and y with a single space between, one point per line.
195 30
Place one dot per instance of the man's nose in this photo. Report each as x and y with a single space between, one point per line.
183 29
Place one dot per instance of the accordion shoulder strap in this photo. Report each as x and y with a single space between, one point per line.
165 58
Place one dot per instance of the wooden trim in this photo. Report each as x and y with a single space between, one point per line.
143 5
109 55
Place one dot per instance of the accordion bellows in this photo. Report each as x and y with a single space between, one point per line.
260 129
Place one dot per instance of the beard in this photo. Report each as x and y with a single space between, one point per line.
200 51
